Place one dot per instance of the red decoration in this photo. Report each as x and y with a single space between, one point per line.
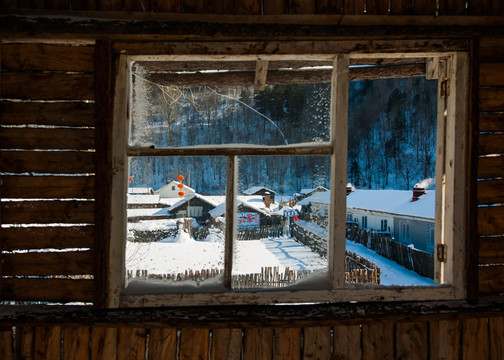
180 178
180 186
130 178
295 218
181 194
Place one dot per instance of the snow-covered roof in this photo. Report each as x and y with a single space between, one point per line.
140 190
254 202
172 183
252 190
318 188
143 199
389 201
148 212
208 199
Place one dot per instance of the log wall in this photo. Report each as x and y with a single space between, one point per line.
50 156
272 7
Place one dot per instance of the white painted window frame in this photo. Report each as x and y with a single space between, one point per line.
450 193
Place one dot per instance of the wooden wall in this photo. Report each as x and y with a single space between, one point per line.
467 339
273 7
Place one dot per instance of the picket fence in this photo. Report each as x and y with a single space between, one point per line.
419 261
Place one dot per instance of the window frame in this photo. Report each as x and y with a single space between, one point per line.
450 199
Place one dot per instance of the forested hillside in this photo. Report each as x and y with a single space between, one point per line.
392 132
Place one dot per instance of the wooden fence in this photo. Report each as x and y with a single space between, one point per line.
261 232
412 259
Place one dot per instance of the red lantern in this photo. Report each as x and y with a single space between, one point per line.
180 178
180 186
181 193
295 218
130 178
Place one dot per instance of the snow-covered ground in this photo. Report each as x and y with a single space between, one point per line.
181 252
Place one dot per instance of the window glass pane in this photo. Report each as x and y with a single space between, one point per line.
177 104
279 241
172 239
391 181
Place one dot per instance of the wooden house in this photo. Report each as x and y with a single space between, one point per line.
64 76
171 190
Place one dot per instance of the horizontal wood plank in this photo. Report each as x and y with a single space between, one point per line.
47 86
491 74
491 250
491 122
490 191
54 237
306 49
46 212
277 77
43 138
43 113
47 57
491 220
491 279
491 99
47 187
490 167
40 289
47 162
48 263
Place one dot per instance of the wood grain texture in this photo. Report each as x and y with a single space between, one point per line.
24 342
491 220
84 4
427 7
171 6
347 342
59 114
490 191
301 7
412 340
104 343
47 162
46 212
491 250
317 342
491 279
46 57
194 344
222 7
475 342
491 99
196 6
378 341
226 344
287 344
76 343
377 7
491 122
445 338
162 344
136 5
496 336
6 350
490 167
480 7
109 5
333 7
44 289
491 74
258 343
47 187
43 138
452 7
131 343
48 263
403 7
248 7
47 86
47 342
274 7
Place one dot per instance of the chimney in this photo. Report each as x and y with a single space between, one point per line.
348 188
267 199
417 192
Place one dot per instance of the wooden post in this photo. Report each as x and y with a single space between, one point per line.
230 220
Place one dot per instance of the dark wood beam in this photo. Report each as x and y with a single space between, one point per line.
250 315
276 77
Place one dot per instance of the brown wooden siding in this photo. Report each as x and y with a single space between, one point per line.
471 338
491 154
48 164
272 7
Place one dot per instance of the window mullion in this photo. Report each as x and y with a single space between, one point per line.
230 220
339 141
